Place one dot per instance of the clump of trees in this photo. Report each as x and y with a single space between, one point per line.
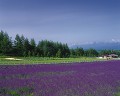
22 46
5 43
78 52
107 52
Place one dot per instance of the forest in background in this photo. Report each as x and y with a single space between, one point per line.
22 46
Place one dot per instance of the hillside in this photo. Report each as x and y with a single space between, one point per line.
100 45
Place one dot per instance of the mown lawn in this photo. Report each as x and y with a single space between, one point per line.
45 60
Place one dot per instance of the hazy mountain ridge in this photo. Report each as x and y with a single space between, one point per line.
99 45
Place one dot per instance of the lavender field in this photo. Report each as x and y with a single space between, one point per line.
100 78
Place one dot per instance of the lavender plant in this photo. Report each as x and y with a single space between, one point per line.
74 79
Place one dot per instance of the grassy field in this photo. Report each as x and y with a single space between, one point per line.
40 60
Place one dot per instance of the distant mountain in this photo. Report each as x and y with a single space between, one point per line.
100 45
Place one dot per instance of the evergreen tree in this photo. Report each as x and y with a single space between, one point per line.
59 54
79 52
26 46
91 52
72 53
24 54
29 53
5 43
33 47
18 45
39 48
65 50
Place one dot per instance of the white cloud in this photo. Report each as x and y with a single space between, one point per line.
115 40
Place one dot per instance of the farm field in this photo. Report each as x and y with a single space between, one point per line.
43 60
100 78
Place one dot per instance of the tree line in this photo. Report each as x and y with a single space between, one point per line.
22 46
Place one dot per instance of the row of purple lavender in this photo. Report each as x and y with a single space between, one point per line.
73 79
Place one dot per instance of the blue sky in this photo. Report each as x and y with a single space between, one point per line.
66 21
